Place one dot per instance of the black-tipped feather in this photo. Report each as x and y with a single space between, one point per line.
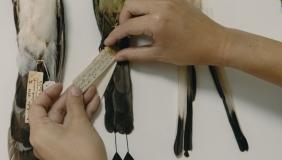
191 94
187 91
219 83
179 140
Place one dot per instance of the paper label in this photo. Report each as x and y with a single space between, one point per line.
34 88
97 67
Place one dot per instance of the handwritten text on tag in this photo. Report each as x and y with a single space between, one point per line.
34 88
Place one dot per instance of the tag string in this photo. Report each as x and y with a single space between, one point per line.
45 67
116 141
127 143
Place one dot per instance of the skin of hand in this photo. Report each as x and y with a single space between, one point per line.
61 128
183 35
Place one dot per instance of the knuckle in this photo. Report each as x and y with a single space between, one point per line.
147 31
159 23
60 111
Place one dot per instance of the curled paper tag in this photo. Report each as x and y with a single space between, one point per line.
47 84
95 69
34 88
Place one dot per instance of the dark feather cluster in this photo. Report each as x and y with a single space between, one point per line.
118 95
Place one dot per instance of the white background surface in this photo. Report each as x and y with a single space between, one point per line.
259 104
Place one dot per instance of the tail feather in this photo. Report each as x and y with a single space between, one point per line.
182 107
178 143
191 94
186 96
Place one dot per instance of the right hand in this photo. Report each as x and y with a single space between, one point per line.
181 34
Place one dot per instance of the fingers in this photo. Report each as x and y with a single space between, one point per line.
38 110
49 96
36 113
58 111
133 8
89 94
138 54
92 107
133 27
75 105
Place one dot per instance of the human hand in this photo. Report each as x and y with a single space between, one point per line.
181 34
60 126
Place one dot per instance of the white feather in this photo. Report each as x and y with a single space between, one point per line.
182 91
38 33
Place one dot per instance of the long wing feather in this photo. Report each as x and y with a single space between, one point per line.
19 146
223 89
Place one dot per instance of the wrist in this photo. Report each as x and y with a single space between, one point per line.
235 50
220 54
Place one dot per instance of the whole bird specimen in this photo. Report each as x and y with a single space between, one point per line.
187 84
118 95
40 36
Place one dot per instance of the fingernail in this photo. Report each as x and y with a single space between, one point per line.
75 91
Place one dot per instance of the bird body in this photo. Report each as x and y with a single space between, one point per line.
40 37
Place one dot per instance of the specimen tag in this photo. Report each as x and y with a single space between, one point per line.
96 68
34 88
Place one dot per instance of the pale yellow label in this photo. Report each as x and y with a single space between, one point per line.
98 66
34 88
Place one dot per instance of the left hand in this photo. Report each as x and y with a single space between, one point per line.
61 128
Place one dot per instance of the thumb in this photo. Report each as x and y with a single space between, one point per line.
74 104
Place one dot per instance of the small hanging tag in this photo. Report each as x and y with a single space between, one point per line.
34 88
47 84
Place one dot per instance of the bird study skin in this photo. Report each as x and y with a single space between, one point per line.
41 42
